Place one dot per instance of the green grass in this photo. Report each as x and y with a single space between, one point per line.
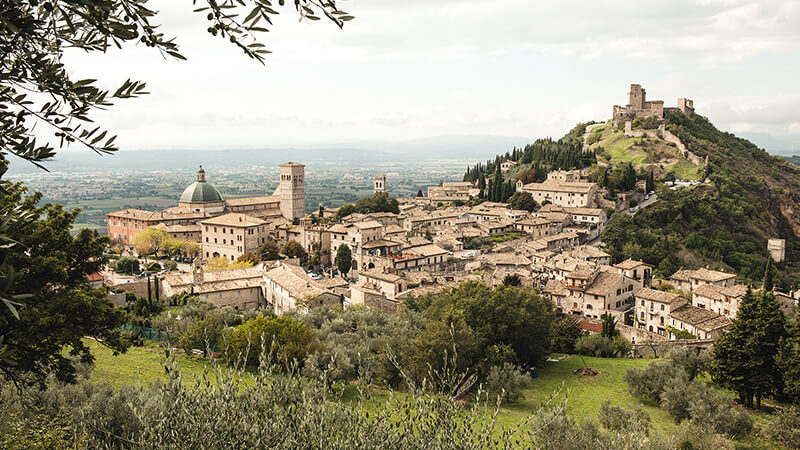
621 149
584 394
143 364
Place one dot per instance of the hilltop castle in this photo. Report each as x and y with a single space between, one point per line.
639 106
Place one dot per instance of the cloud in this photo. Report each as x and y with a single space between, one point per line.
421 68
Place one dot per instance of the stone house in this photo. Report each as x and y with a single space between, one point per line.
562 193
231 235
700 322
535 227
591 291
637 270
654 307
689 280
237 288
505 166
288 288
722 300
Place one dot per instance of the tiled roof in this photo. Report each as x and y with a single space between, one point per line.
630 264
659 296
692 314
234 220
604 283
244 201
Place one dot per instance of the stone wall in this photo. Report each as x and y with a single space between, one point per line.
637 335
138 287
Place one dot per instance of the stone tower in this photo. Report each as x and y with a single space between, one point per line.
636 97
380 183
292 190
777 249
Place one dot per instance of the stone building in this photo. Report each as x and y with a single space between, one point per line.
564 189
639 106
777 249
654 307
237 288
201 196
292 190
288 288
201 200
379 183
689 280
231 235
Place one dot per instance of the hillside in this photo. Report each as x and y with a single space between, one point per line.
752 197
650 151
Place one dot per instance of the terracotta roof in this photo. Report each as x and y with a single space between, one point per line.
428 250
659 296
584 211
533 221
711 275
630 264
692 314
715 324
243 201
556 287
591 326
295 282
377 243
559 186
234 220
604 283
367 225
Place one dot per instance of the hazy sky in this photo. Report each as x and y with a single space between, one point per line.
414 68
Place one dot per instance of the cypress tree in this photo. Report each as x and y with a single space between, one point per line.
768 283
650 186
733 364
772 329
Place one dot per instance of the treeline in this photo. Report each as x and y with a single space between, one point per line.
543 155
379 202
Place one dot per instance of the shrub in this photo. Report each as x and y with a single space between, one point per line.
287 338
692 361
507 382
648 383
154 267
204 334
127 264
565 334
678 395
615 418
785 428
605 347
170 265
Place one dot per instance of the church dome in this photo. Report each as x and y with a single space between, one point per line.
200 191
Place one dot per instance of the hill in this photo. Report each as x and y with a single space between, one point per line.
646 149
752 196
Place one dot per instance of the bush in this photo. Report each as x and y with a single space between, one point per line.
604 347
127 265
649 383
507 382
566 333
692 361
288 339
154 267
615 418
170 265
785 427
204 334
678 395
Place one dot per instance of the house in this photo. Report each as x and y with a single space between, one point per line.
637 270
505 166
237 288
654 307
231 235
288 288
561 188
722 300
699 322
689 280
591 291
535 227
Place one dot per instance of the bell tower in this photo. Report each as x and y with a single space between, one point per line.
380 183
292 190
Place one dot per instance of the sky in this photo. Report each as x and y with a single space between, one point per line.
409 69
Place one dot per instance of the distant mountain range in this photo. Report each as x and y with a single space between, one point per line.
357 153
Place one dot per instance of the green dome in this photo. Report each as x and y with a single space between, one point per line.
200 191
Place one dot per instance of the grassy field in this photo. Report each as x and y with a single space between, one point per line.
617 148
143 364
584 394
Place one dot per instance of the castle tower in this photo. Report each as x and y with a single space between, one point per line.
292 190
777 249
636 97
380 183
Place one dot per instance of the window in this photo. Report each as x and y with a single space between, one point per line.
206 238
642 315
224 241
642 302
662 307
662 320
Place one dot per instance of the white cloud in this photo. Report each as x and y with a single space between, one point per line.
418 68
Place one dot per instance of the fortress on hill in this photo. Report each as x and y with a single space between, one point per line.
639 106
